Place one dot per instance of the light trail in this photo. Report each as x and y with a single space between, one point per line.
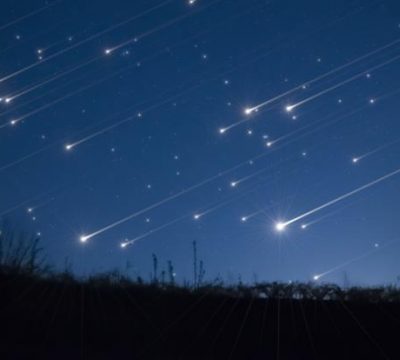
152 231
70 146
290 108
174 21
377 248
84 41
26 16
237 182
328 215
282 225
140 114
224 129
12 97
16 121
30 200
357 159
250 110
43 95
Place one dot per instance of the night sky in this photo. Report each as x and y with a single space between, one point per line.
266 131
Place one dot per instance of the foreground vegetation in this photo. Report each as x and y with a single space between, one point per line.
48 315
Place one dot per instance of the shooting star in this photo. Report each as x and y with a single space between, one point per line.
250 110
377 248
358 158
282 225
135 39
49 80
126 243
290 108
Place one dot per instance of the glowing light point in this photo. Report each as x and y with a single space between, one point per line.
243 219
269 143
280 226
248 111
68 147
304 226
289 108
234 183
107 51
84 238
13 122
123 245
196 216
7 100
355 160
316 277
222 130
371 101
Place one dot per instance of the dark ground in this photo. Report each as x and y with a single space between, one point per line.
62 319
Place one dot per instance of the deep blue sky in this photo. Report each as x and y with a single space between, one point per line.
193 70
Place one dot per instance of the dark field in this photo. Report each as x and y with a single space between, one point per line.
108 318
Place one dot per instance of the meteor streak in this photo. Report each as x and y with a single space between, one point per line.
139 115
372 152
358 258
157 29
99 132
289 108
250 110
58 76
151 232
281 226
